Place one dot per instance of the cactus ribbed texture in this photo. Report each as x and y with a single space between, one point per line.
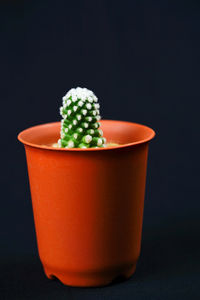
80 123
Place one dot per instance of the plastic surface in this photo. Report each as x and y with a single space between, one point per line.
88 203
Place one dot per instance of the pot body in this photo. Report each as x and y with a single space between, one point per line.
88 211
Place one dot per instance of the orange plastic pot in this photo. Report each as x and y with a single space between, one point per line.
88 203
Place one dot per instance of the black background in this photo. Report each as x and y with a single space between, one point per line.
141 58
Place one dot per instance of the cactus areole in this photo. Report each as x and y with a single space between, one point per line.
80 120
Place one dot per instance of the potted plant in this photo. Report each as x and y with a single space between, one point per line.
87 196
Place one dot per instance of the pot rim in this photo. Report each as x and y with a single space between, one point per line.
44 147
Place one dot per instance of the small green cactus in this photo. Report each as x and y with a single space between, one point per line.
80 123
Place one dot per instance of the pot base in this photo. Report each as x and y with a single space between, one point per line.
91 279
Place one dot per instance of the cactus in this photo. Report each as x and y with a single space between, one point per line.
80 120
